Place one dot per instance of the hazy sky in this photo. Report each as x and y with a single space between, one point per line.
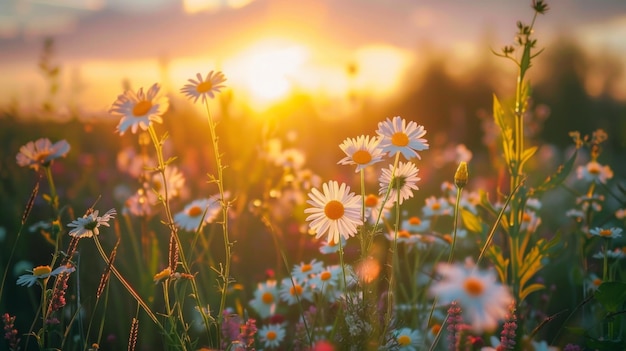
91 35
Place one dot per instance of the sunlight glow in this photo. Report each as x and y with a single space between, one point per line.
195 6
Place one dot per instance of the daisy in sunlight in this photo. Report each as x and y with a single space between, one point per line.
404 181
87 225
204 87
400 137
265 299
271 335
361 152
175 182
335 211
139 110
484 302
41 153
41 273
191 216
408 339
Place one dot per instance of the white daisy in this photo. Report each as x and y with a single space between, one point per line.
594 172
138 110
374 206
304 271
271 335
329 247
404 180
609 233
41 152
361 152
265 299
484 301
189 218
291 292
400 137
87 225
175 182
336 211
204 87
41 273
436 207
408 339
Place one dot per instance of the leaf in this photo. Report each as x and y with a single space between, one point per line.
527 154
611 295
558 177
530 289
501 264
471 221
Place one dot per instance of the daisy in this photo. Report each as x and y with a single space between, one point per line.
203 88
530 221
416 225
408 339
87 225
41 273
329 247
615 254
265 299
329 277
611 233
271 335
398 137
138 110
594 172
374 206
361 152
436 207
141 203
41 152
175 181
189 218
304 271
484 302
404 180
336 211
291 292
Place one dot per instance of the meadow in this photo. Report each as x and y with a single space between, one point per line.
165 228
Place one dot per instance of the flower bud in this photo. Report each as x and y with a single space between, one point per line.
461 175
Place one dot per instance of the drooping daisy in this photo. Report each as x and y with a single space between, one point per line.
87 225
139 110
304 271
484 302
594 172
265 299
204 87
408 339
404 181
271 335
335 211
189 218
292 291
609 233
41 152
41 273
400 137
361 152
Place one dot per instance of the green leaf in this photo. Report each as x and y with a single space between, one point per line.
611 295
471 222
530 289
501 264
558 177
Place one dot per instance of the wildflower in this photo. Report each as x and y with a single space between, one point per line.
404 181
329 277
57 301
611 233
593 202
436 207
272 335
594 172
140 203
483 301
304 271
374 208
615 254
175 181
191 216
336 211
400 137
10 333
329 246
461 175
291 292
408 339
162 275
41 152
139 110
41 273
87 226
416 225
265 298
361 152
204 87
530 221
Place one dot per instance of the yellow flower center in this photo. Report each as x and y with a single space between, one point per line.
404 340
306 267
435 329
473 286
361 157
415 221
447 238
297 290
526 217
404 234
400 139
371 200
436 206
597 282
41 156
271 335
41 270
141 108
194 211
334 209
325 275
606 232
593 168
204 87
267 298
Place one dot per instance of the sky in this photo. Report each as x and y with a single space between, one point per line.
267 48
